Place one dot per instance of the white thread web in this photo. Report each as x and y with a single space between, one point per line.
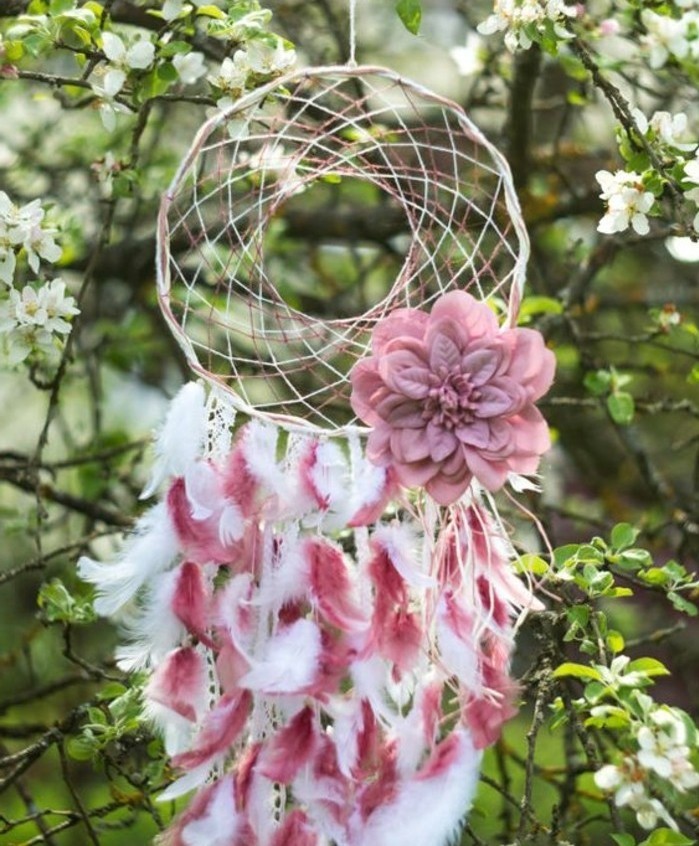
358 163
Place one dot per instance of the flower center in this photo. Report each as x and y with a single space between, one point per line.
451 400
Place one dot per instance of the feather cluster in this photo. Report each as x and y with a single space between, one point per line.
325 668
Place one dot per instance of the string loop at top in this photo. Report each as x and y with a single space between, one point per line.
352 61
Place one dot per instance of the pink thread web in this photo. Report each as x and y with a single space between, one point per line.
281 165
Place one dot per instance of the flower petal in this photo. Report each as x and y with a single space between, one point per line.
445 354
491 474
495 402
441 442
474 317
481 364
408 445
404 372
403 322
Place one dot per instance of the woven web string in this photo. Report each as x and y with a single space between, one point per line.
352 164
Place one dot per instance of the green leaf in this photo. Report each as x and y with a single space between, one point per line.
577 671
111 691
167 72
620 592
539 305
655 576
594 691
81 748
563 554
14 50
211 12
632 559
410 13
531 564
598 383
624 839
624 535
667 837
57 7
692 378
621 407
682 604
648 666
172 48
615 641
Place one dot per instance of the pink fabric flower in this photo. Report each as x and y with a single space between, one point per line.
451 396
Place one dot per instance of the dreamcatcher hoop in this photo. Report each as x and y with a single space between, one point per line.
438 183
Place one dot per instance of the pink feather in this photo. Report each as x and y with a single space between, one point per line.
221 728
290 748
179 683
332 587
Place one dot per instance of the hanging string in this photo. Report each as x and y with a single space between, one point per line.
352 62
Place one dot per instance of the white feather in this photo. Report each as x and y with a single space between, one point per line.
457 657
290 661
181 439
330 477
262 804
288 578
348 722
260 448
428 811
231 523
220 825
177 731
410 729
202 488
369 679
154 630
152 549
369 481
230 599
193 779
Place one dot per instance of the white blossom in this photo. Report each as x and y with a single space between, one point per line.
59 307
232 74
173 8
138 56
34 319
24 227
663 749
691 173
514 17
628 781
627 202
666 127
468 57
190 66
665 36
46 307
265 59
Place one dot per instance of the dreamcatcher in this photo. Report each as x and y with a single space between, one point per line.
323 598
